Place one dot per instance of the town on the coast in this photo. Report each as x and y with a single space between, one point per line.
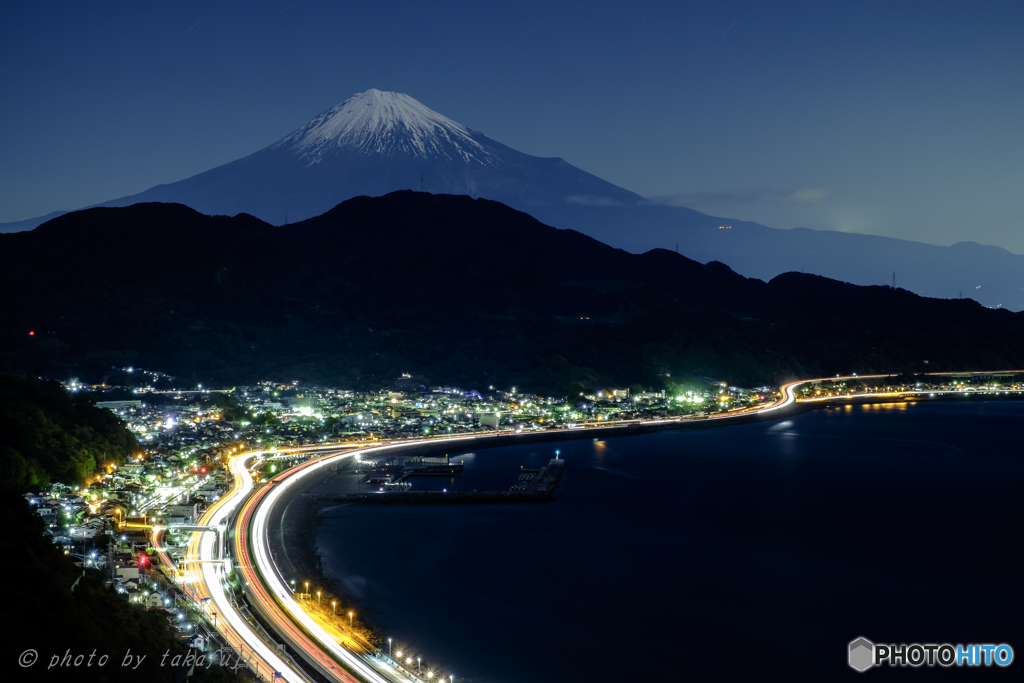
188 436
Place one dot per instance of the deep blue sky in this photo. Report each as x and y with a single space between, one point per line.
895 118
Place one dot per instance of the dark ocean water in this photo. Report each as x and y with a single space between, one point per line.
754 552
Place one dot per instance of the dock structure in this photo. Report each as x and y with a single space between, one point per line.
541 489
546 481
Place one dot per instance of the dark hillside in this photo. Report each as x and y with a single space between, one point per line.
452 289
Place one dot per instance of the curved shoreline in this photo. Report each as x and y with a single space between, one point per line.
291 533
302 509
283 543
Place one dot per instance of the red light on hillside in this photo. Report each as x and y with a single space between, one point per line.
31 333
203 470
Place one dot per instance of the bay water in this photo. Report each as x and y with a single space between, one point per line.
753 552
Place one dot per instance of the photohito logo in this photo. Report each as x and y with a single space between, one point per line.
863 654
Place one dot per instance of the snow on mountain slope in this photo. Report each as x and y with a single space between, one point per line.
373 143
387 123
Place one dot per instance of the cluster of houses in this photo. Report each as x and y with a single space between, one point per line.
106 526
290 415
107 523
313 415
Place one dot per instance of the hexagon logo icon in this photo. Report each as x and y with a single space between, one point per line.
862 654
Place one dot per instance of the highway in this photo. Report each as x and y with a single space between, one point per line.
204 577
274 598
203 581
268 591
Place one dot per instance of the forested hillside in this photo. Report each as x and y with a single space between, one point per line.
49 436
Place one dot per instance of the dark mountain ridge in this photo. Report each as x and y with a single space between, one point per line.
453 290
377 142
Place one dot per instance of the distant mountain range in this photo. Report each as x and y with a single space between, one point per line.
451 290
378 142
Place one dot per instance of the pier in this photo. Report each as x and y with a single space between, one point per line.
547 480
538 488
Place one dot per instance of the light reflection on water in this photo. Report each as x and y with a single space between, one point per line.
769 535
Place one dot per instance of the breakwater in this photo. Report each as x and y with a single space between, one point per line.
438 498
541 489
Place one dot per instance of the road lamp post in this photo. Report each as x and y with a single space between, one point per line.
350 619
334 604
389 648
307 590
318 598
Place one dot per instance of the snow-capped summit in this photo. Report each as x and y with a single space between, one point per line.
388 123
374 143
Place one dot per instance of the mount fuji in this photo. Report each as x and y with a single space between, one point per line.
371 144
377 142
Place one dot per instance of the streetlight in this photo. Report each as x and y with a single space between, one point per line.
389 648
318 598
350 619
334 603
419 667
307 589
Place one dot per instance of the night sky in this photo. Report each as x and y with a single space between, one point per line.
893 118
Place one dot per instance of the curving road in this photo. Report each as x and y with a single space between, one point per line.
203 581
267 589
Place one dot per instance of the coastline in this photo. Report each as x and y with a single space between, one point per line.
291 534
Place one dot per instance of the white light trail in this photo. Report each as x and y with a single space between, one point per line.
275 583
212 573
